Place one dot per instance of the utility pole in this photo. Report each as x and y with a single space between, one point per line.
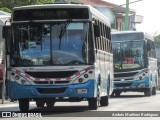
127 16
125 4
3 83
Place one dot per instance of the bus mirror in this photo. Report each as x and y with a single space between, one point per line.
148 47
96 31
6 34
5 31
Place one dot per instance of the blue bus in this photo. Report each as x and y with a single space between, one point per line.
59 52
135 62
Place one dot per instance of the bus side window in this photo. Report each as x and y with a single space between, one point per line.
148 45
95 38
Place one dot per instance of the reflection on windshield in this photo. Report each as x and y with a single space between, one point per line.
128 55
38 44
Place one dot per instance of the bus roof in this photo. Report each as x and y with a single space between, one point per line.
92 9
145 35
3 19
50 6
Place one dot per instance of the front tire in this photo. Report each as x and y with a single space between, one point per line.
104 101
117 94
50 103
40 103
148 92
154 91
112 95
24 105
93 103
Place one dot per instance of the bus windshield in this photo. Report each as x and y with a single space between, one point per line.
128 55
60 43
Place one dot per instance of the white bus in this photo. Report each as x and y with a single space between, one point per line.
135 62
59 52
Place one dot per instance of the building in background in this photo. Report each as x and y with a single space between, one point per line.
116 14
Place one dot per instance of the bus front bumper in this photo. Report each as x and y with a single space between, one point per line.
135 85
18 91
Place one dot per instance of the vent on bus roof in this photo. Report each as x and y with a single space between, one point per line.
56 3
63 2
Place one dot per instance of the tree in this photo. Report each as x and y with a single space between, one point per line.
8 5
157 41
43 1
5 9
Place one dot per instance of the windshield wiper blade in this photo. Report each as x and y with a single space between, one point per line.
63 30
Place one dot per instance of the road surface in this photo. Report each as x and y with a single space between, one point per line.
128 102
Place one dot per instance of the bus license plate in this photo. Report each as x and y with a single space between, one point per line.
81 91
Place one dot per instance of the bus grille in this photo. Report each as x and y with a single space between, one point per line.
57 74
125 74
51 90
129 79
123 84
50 82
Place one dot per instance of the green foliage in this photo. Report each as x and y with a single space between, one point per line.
0 4
157 41
5 10
44 1
8 5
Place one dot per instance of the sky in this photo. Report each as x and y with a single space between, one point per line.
149 9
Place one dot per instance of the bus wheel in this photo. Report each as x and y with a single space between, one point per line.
154 91
148 92
93 103
117 94
104 101
50 103
40 103
24 104
112 95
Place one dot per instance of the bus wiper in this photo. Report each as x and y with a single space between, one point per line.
63 30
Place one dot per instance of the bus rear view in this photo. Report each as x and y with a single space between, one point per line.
135 63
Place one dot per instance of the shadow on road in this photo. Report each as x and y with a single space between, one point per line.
127 96
132 95
60 111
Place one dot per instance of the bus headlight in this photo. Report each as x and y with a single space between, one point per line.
17 77
140 77
80 80
86 75
23 81
20 80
